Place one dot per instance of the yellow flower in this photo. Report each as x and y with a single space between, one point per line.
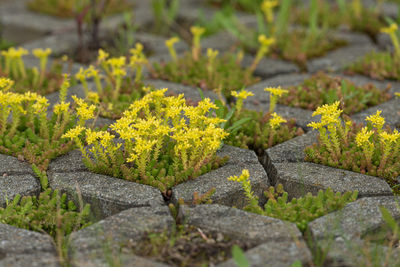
397 94
278 91
197 31
276 120
116 62
391 29
264 41
102 55
363 136
242 95
74 132
315 125
6 84
84 111
390 138
172 41
242 178
41 53
41 104
61 108
212 54
332 109
93 97
376 120
81 75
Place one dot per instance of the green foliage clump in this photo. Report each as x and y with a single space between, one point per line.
255 129
370 150
301 210
50 212
377 65
42 80
209 72
164 142
115 90
69 8
355 16
25 130
323 89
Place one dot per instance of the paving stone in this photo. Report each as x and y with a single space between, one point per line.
12 166
92 245
275 254
11 185
19 247
356 252
285 164
227 192
279 243
269 67
106 195
356 219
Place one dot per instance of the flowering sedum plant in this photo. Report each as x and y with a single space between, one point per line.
301 210
42 80
381 65
323 89
26 131
257 130
371 149
163 142
114 88
208 71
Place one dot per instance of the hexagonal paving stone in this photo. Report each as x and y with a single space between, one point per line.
285 164
341 233
276 241
109 195
16 177
19 247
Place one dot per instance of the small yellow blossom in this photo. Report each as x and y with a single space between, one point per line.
397 94
390 138
74 132
267 8
276 120
102 55
363 137
197 31
376 120
328 109
264 41
242 178
60 108
6 84
41 53
243 94
391 29
93 97
172 41
277 91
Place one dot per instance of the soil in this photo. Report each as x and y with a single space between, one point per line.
188 246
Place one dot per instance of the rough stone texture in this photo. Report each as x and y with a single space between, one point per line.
70 162
283 253
12 166
269 67
11 185
228 193
91 246
19 247
107 195
343 234
356 219
356 252
285 164
280 243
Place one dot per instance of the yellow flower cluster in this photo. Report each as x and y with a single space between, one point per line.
274 94
265 44
244 180
155 122
376 120
197 32
243 94
83 110
6 84
170 45
276 120
267 8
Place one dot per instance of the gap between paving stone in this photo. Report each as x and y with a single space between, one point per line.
20 247
110 195
285 164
